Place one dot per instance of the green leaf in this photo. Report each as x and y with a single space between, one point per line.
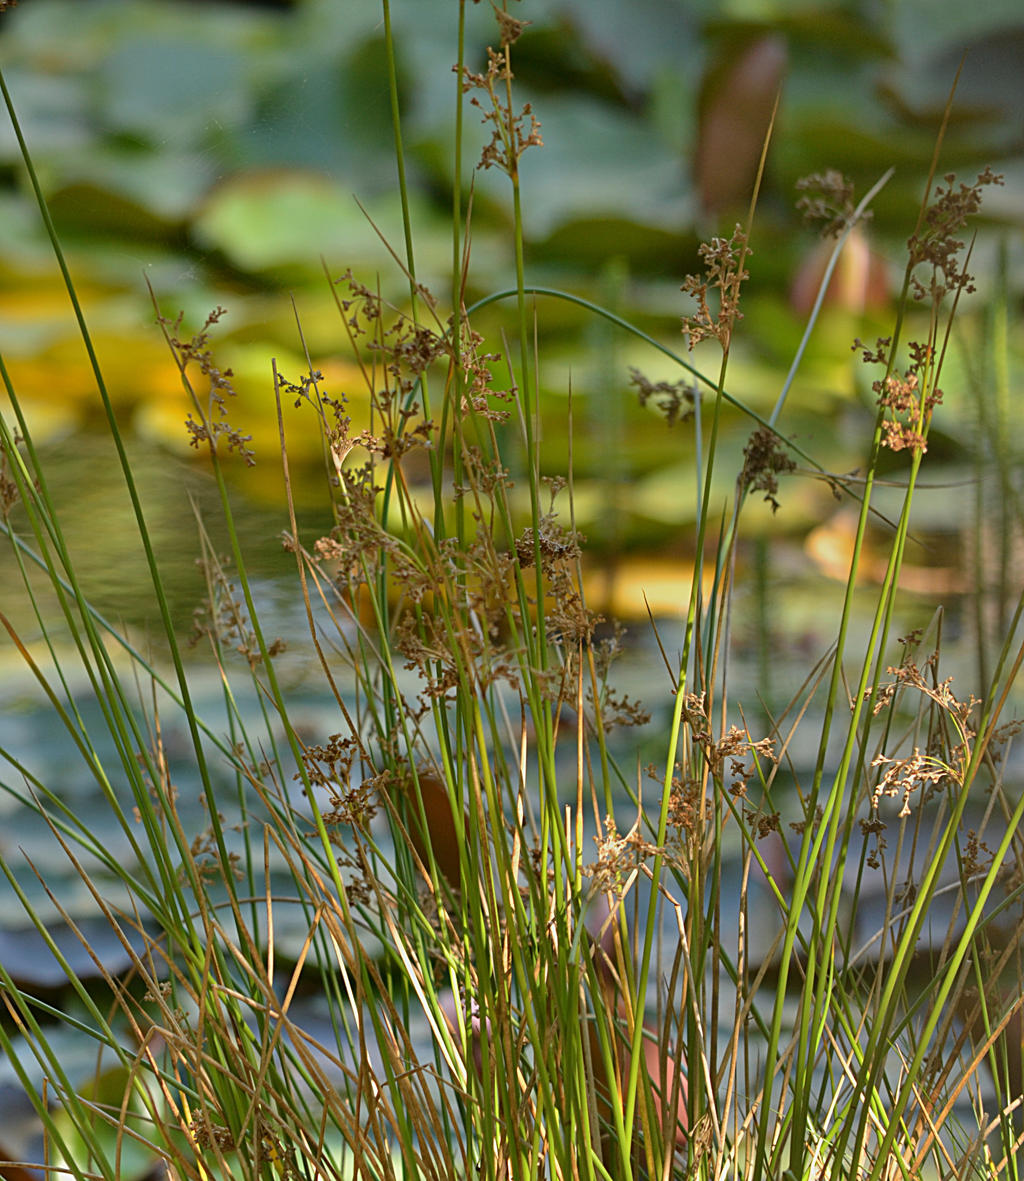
598 160
152 86
281 220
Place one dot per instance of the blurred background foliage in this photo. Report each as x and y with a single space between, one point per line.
221 150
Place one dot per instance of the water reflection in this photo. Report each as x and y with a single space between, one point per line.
86 485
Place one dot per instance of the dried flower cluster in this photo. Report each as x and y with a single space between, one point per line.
937 246
447 656
358 547
510 29
9 493
977 857
212 425
675 399
944 762
689 811
763 461
585 653
330 763
619 857
511 132
727 764
558 550
406 351
733 747
907 400
478 390
459 598
356 806
207 1134
486 476
205 860
828 202
902 777
725 271
553 542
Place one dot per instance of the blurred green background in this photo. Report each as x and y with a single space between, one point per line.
218 150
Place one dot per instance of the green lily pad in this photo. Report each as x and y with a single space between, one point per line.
924 27
32 965
167 185
149 85
598 160
282 219
640 38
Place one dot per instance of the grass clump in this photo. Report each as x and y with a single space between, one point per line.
494 998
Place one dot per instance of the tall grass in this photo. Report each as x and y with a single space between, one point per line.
494 999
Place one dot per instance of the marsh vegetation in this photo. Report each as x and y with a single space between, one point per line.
482 911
